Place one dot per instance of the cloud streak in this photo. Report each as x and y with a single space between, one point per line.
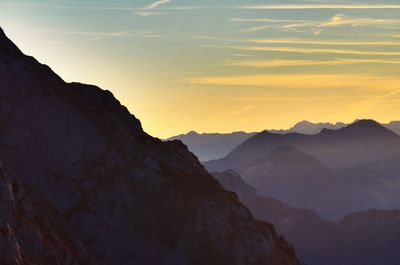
326 42
338 20
157 4
296 63
302 81
305 50
319 6
96 35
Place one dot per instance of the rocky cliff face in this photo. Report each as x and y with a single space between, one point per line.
127 197
31 230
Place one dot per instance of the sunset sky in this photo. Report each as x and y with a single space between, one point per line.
221 66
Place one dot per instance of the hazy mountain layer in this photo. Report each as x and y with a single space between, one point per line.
208 146
362 141
333 173
364 238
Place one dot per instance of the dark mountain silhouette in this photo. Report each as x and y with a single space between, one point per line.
32 232
89 184
363 238
208 146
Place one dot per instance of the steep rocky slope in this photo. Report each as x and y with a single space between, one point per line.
127 197
31 230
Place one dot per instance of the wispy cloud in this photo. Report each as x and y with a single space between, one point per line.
294 63
327 42
342 20
302 81
269 20
157 8
305 50
157 4
97 35
318 25
320 6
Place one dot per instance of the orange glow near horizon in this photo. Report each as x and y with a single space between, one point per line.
208 67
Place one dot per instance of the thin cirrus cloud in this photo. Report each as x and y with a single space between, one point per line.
341 20
157 4
335 21
294 63
320 6
359 82
99 35
148 10
304 50
326 42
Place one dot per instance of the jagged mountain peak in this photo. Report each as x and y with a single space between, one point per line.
113 185
6 45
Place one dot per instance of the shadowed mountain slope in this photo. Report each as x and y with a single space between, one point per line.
300 180
31 230
362 238
297 179
127 197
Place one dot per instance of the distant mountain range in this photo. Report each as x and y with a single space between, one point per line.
364 238
208 146
82 183
211 146
334 173
306 127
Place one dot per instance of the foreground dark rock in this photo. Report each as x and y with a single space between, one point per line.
109 193
31 230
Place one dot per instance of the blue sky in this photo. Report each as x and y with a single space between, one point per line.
222 66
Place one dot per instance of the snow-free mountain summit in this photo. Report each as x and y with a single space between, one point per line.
82 183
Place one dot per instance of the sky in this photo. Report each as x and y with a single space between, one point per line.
222 66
